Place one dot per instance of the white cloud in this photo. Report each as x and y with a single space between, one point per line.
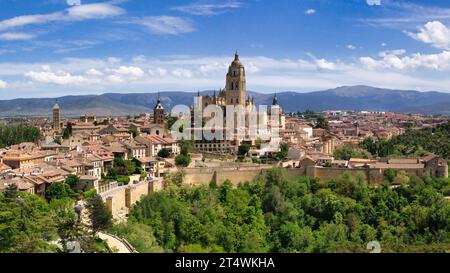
310 11
395 60
2 84
115 79
161 72
324 64
132 71
94 72
390 69
182 73
406 15
93 11
166 24
434 33
16 36
351 47
73 2
208 9
213 67
139 59
74 13
373 2
396 52
60 77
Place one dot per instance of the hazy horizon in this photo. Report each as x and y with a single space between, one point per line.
211 90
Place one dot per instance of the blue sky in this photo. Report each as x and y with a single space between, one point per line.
61 47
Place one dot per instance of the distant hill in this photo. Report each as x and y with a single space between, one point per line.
341 98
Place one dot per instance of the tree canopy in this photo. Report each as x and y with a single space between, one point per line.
17 133
279 214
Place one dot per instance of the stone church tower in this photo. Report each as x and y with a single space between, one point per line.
158 112
236 88
56 118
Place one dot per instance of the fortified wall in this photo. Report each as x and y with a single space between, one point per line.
120 199
236 175
205 176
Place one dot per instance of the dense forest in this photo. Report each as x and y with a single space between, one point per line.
277 214
433 140
412 143
17 133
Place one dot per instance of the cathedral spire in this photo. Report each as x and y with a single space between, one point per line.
275 99
236 56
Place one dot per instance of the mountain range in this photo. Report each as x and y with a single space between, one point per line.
342 98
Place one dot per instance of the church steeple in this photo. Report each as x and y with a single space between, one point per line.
56 118
158 112
275 100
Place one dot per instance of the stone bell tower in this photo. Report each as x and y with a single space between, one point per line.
56 118
158 112
236 87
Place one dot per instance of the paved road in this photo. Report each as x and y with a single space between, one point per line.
113 243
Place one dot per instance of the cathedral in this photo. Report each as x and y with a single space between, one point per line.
235 88
235 94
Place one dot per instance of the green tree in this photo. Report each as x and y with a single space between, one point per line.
322 123
66 222
66 134
390 175
99 215
26 225
183 160
243 149
164 153
349 151
139 235
12 191
58 191
73 181
283 153
134 132
17 133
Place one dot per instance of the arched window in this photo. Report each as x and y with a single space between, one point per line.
237 100
231 100
157 132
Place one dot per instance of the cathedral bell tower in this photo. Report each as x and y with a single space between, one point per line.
235 83
56 118
158 112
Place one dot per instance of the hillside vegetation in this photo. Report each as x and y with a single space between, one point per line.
18 133
277 214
